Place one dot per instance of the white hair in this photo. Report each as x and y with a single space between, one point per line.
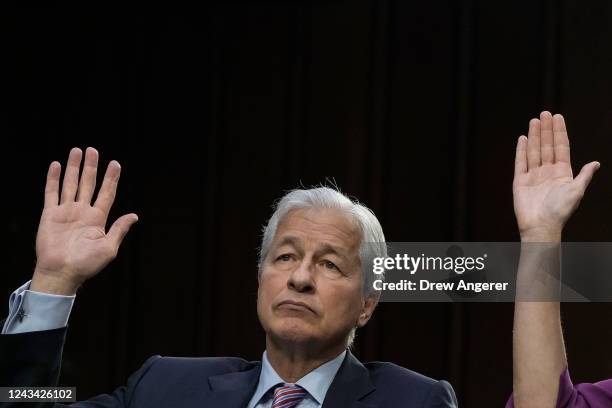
372 237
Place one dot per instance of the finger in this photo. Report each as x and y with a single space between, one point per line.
71 175
561 141
52 186
88 178
533 144
120 228
106 195
520 160
583 179
547 151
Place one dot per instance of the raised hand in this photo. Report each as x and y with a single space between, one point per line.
545 190
72 243
545 196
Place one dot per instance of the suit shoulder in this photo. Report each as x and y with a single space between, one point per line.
203 365
405 386
390 372
400 383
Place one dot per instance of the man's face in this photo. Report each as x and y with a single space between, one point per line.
310 285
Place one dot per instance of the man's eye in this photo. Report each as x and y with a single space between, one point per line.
284 258
330 265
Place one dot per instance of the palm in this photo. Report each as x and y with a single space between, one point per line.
72 233
72 242
545 191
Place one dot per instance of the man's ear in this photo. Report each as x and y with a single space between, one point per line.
369 304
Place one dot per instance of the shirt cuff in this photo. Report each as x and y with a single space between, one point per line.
35 311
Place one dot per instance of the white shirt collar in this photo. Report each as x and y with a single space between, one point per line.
316 382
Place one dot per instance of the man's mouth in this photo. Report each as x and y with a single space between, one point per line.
293 305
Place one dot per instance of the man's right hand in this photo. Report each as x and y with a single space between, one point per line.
72 244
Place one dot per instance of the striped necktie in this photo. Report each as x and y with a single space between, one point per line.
288 396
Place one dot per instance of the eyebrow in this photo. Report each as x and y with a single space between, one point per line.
321 250
290 240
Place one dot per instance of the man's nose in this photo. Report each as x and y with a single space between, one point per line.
301 278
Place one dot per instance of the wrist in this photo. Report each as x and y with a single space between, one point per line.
47 282
541 235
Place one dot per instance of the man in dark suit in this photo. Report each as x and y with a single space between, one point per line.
314 292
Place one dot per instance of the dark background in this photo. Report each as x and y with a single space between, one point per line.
213 112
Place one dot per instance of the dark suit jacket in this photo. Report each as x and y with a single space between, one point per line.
35 358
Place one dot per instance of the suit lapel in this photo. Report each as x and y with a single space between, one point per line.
351 383
233 390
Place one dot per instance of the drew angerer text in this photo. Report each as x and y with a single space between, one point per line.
425 285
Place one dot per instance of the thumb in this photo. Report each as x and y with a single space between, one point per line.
120 228
586 174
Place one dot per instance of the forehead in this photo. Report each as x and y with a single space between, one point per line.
320 226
